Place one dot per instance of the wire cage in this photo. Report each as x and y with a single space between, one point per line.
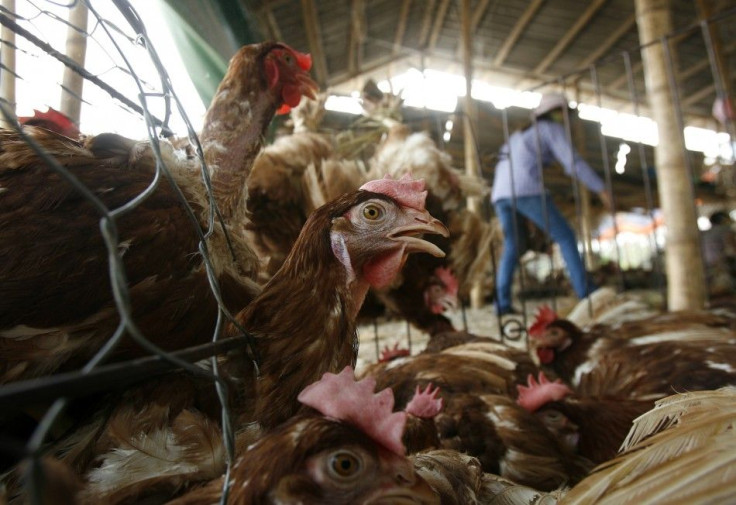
126 89
127 84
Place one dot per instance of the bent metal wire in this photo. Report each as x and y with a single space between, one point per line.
126 43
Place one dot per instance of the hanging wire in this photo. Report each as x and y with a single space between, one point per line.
511 330
608 178
89 378
544 196
648 193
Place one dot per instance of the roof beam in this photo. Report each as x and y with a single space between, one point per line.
567 39
607 44
314 38
698 95
356 37
401 27
516 31
478 13
636 67
378 64
426 22
439 20
267 19
702 64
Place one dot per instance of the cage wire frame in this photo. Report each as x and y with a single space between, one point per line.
95 376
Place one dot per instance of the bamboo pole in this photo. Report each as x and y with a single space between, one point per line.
683 264
76 49
469 130
7 58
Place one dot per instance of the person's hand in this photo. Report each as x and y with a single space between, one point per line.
605 199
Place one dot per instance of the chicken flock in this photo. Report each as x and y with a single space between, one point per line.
299 240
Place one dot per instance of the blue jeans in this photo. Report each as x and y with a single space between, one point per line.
558 229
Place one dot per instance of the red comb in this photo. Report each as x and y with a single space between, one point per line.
52 120
341 397
387 354
406 191
545 315
536 394
425 403
448 279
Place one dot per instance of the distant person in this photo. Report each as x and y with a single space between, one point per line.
519 176
719 253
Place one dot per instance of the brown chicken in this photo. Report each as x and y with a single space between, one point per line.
508 441
459 480
479 367
56 301
592 427
52 120
467 249
681 452
646 359
304 325
477 382
353 456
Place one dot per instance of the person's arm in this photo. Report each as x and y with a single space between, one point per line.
553 134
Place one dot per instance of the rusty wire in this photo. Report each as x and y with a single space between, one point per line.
126 43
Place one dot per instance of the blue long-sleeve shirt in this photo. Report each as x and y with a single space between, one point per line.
527 180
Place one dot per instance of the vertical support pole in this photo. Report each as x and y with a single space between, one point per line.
76 49
684 268
469 122
7 58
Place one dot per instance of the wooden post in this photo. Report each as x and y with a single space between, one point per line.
683 264
7 57
469 131
76 49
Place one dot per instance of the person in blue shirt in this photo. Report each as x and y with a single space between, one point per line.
518 187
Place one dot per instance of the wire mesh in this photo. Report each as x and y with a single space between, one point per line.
144 97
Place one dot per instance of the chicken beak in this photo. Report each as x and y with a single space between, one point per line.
422 222
307 86
449 302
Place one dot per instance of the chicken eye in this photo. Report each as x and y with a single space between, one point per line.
372 212
552 417
287 57
344 464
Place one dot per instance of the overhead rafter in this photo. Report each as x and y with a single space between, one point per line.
426 22
478 13
516 31
687 101
357 36
377 64
266 18
626 26
614 85
439 20
566 40
704 63
401 27
314 38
